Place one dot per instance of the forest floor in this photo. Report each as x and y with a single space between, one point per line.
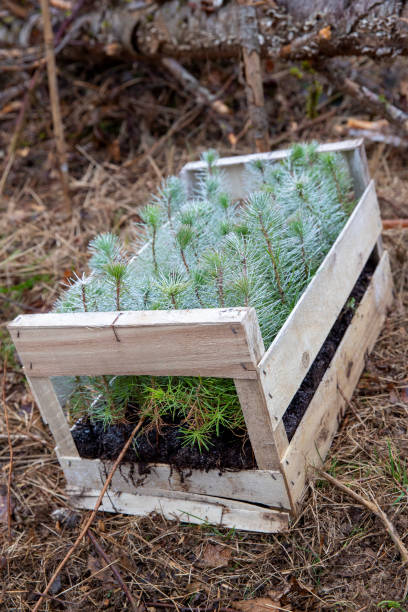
128 127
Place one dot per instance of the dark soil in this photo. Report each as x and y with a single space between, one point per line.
227 451
303 397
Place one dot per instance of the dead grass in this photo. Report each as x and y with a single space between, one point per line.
337 556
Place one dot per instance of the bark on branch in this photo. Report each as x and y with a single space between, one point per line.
293 29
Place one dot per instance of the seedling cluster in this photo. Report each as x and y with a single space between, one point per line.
211 251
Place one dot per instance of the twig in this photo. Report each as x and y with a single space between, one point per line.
91 517
10 471
214 608
336 75
18 129
201 93
19 304
28 96
394 223
193 86
55 104
302 126
112 567
389 139
249 36
374 508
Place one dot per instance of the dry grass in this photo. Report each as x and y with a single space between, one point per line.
337 556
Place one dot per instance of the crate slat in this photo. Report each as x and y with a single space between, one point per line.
159 343
52 414
291 354
234 167
188 508
315 433
256 486
258 423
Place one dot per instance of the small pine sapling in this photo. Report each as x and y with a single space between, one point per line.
208 251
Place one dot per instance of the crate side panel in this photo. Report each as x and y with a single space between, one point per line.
255 486
189 343
290 356
315 432
233 168
188 508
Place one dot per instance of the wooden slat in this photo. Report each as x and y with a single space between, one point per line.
209 342
52 414
188 508
360 174
255 486
358 166
290 356
258 423
234 167
315 432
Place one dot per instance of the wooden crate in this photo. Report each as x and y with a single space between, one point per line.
223 343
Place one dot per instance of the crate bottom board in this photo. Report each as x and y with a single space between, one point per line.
188 508
266 487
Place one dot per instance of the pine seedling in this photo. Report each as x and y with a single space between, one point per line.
210 253
210 157
170 197
223 200
116 273
184 238
171 287
268 223
152 218
334 168
241 280
215 263
299 230
303 155
104 249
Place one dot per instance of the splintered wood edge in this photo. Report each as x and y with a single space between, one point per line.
188 508
316 431
282 369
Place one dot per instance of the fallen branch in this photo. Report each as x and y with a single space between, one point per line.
389 139
112 567
55 104
91 517
10 469
336 75
374 508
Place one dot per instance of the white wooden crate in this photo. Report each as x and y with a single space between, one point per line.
223 343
